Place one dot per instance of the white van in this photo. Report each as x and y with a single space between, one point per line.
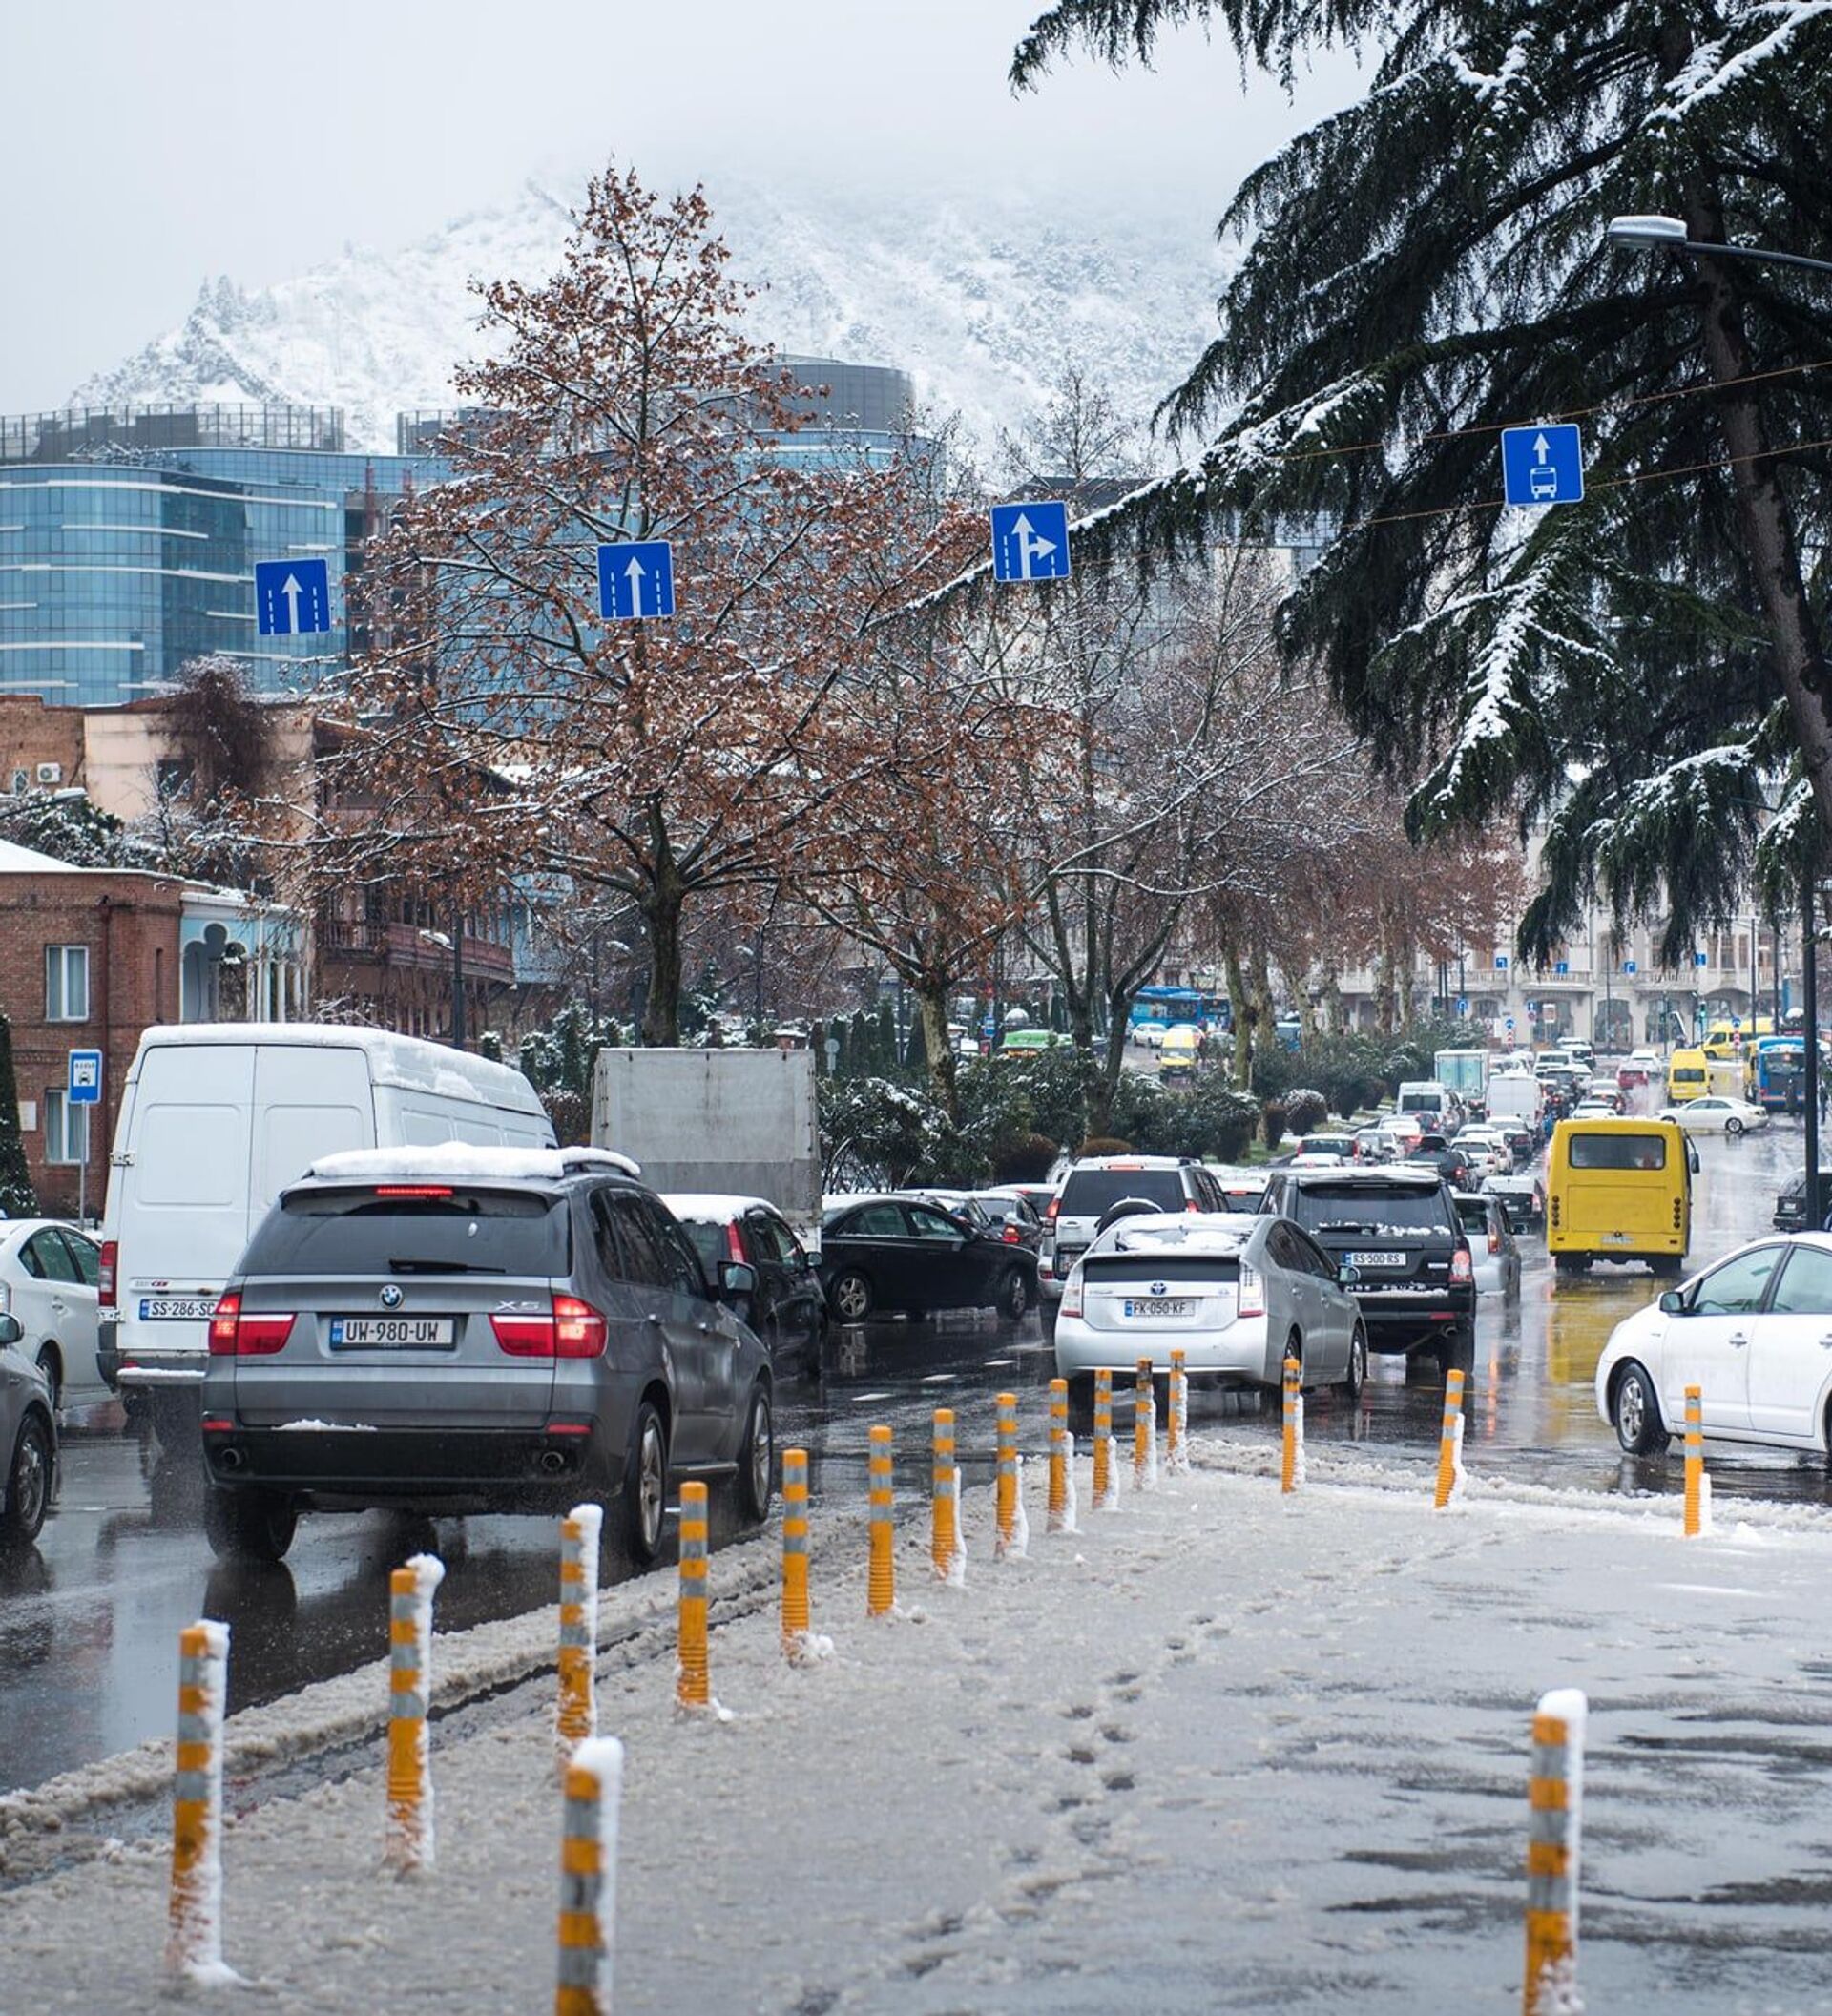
216 1120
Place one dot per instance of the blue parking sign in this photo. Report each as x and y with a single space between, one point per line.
84 1085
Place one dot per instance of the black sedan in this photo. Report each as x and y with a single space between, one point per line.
788 1311
896 1253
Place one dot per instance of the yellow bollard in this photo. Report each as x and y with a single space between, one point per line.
1291 1460
194 1940
945 1485
1103 1437
588 1877
692 1684
409 1842
1696 1489
1550 1980
1451 1438
1176 1428
880 1585
1144 1427
577 1716
1007 1487
1058 1455
795 1551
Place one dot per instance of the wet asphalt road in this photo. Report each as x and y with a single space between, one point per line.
89 1618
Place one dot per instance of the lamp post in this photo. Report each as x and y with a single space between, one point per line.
1668 233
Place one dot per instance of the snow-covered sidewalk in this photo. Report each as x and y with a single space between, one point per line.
1218 1750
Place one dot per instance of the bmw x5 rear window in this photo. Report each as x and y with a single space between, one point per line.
1350 1207
444 1229
1089 1191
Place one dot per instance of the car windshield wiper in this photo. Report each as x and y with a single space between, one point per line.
399 1266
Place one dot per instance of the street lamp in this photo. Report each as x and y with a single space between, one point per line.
1668 233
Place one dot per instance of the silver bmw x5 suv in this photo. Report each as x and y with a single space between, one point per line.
456 1329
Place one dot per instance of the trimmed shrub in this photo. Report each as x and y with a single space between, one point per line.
1272 1122
1104 1144
1026 1161
1305 1110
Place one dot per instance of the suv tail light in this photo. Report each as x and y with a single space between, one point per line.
735 1243
233 1335
1252 1301
1494 1242
105 1274
1070 1304
1463 1268
1011 1234
570 1329
1049 1215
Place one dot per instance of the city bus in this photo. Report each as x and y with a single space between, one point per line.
1775 1073
1180 1003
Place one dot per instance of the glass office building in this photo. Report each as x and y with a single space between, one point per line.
129 536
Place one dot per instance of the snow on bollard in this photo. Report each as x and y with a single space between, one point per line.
1059 1477
1698 1518
1450 1439
692 1684
1556 1796
1144 1428
1177 1426
588 1877
1291 1463
194 1940
410 1844
881 1583
1103 1439
577 1716
794 1552
944 1497
1008 1483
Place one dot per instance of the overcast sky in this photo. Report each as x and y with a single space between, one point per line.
146 147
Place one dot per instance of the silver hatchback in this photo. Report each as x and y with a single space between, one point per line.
460 1329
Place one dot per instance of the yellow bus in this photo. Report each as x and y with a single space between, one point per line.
1688 1076
1619 1191
1727 1038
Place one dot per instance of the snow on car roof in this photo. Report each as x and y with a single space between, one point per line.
466 1161
1201 1234
710 1206
1370 1178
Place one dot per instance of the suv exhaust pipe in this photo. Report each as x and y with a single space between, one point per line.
553 1461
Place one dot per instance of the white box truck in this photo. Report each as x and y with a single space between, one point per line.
739 1123
1464 1072
216 1120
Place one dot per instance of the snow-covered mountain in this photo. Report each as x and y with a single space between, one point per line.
983 299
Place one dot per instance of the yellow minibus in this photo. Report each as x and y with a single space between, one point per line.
1618 1189
1688 1076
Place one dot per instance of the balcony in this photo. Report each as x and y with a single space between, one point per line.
411 949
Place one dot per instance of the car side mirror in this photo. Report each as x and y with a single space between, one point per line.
1673 1304
11 1331
736 1278
1347 1277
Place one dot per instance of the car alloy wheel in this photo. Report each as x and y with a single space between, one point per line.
1733 1126
852 1297
1357 1363
1636 1417
652 1486
30 1488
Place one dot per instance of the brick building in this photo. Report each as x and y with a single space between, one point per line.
89 958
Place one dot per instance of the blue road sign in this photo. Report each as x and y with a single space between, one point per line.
1463 1005
1542 465
1533 1011
1699 959
84 1087
1501 962
1029 542
292 597
1629 967
635 580
1510 1025
1562 967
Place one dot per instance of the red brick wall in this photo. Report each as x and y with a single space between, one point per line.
33 732
129 924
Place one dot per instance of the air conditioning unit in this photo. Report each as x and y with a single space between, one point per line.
51 773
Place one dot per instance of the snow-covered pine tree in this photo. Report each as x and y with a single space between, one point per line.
17 1198
1429 265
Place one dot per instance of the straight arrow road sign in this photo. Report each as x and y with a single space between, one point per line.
635 580
1031 541
1542 465
292 597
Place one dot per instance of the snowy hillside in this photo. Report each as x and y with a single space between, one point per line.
983 299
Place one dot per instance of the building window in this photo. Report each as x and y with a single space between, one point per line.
66 1129
66 983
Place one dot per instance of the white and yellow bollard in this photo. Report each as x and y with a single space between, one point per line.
794 1552
194 1937
1177 1426
1291 1460
577 1715
1144 1427
693 1677
881 1582
944 1498
410 1844
588 1877
1058 1501
1007 1498
1450 1439
1556 1798
1697 1512
1105 1483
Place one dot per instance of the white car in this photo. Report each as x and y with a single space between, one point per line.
1149 1034
48 1273
1715 1115
1234 1294
1490 1146
1754 1334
